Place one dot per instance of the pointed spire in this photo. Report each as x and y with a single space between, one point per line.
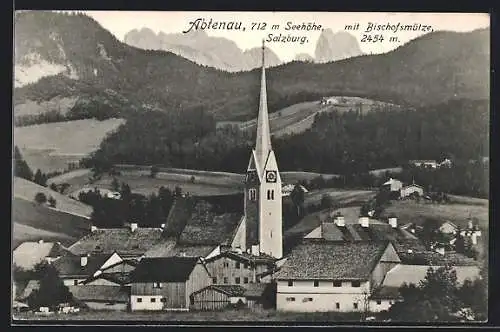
263 141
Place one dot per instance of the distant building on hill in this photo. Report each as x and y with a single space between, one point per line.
412 189
287 189
393 185
424 163
329 101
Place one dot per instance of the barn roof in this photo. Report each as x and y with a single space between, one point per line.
100 293
319 259
122 240
168 269
230 290
70 265
206 228
191 250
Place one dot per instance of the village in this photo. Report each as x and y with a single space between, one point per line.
199 260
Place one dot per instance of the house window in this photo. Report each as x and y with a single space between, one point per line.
226 264
153 300
271 234
252 194
355 305
75 282
290 299
214 280
157 285
379 302
337 305
225 280
290 283
237 280
270 194
356 284
337 283
316 283
245 280
163 299
139 299
307 299
237 265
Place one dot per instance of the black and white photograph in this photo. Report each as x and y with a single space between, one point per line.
260 167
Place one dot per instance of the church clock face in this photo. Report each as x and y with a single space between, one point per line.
271 176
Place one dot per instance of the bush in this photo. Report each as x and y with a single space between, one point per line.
52 202
40 198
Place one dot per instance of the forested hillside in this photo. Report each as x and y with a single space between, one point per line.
428 70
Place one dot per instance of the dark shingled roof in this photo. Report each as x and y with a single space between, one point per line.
179 215
168 269
206 228
122 240
121 278
191 250
70 266
355 232
319 259
98 293
230 290
244 257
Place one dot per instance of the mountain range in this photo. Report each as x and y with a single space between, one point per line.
61 55
223 53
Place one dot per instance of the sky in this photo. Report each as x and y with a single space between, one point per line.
120 22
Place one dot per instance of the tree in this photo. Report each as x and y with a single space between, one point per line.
115 185
297 196
474 293
21 168
434 299
326 202
52 290
177 191
53 186
52 201
40 178
40 198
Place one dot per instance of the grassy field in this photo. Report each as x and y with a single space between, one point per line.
30 107
41 219
22 233
240 316
458 213
27 190
299 117
340 197
50 146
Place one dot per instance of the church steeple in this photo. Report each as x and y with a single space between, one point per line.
263 139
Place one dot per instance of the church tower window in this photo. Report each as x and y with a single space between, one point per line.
270 194
252 194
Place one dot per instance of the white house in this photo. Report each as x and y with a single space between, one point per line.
411 189
332 276
424 163
393 184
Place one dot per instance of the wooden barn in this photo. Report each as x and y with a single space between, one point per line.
166 283
219 297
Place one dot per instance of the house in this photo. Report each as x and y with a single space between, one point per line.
329 101
29 254
393 185
73 269
445 163
410 190
166 283
448 228
132 241
218 297
424 163
102 297
388 292
323 275
286 190
238 268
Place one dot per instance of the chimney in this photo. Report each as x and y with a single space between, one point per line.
474 238
393 221
93 228
410 251
339 220
364 221
83 260
469 224
162 226
40 241
133 227
255 250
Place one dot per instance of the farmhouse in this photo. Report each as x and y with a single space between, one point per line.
424 163
166 283
322 275
393 185
218 297
448 228
73 270
412 189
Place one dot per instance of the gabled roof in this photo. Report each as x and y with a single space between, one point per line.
415 253
122 240
412 185
117 277
166 269
244 257
191 251
319 259
229 290
98 293
70 265
206 228
355 232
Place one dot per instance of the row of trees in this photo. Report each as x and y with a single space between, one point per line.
22 170
147 211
